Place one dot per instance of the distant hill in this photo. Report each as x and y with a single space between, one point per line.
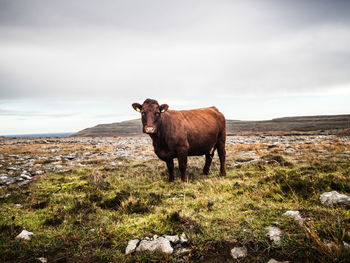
125 128
325 124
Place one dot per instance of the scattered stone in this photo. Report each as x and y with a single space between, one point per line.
23 182
25 235
274 234
173 239
165 244
26 176
276 261
161 244
18 206
42 260
290 150
7 180
239 252
295 215
132 244
330 199
183 238
346 245
92 230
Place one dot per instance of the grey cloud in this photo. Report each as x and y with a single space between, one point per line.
164 15
127 49
131 15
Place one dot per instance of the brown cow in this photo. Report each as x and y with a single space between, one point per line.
178 134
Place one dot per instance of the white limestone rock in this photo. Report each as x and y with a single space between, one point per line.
26 176
173 239
295 215
330 199
239 252
25 235
7 180
132 244
42 260
183 238
160 244
23 182
274 234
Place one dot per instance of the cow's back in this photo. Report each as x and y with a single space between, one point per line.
199 129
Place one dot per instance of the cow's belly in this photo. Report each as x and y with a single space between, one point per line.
193 145
164 154
200 150
202 146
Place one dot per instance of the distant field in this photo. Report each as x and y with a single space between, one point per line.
88 197
331 124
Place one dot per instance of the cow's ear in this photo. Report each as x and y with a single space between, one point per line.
163 108
137 106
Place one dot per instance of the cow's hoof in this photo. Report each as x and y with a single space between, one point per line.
185 179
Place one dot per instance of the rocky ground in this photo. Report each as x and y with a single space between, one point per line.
285 198
22 159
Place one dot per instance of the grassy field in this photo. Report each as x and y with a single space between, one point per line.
88 214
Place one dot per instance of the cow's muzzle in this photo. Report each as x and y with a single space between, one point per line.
150 130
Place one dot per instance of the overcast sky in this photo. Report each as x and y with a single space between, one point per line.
68 65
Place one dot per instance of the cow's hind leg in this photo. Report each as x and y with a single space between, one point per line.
170 165
182 166
208 159
222 155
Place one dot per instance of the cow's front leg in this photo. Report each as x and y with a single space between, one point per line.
170 165
182 158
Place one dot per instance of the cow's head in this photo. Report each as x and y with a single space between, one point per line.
151 114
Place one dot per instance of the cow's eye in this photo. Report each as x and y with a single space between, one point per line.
143 113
